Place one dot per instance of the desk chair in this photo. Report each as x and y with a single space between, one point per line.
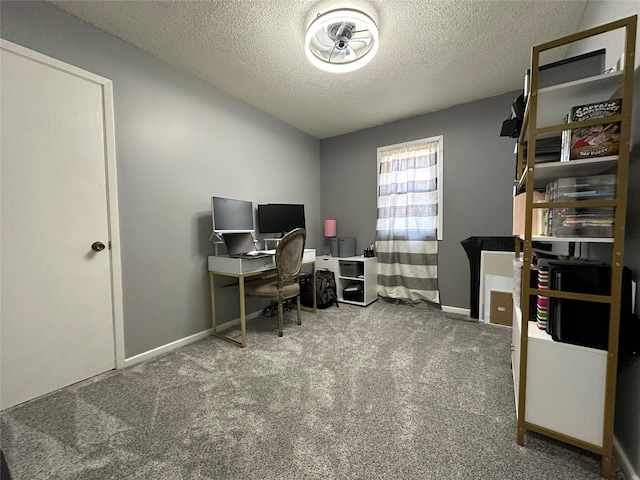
286 284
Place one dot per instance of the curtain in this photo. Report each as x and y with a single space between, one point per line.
407 224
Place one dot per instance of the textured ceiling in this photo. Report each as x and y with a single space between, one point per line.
433 54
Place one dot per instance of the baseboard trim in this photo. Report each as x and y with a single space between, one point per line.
164 349
625 464
458 310
170 347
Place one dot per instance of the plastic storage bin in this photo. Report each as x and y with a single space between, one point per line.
583 222
597 187
351 269
347 246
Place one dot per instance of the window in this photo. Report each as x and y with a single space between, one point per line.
410 190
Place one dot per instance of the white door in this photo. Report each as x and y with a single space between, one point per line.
56 312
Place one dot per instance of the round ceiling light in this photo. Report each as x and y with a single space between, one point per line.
341 40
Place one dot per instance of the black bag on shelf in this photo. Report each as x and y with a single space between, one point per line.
325 290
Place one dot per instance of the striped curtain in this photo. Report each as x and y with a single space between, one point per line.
408 221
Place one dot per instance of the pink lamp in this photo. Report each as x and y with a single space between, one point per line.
330 227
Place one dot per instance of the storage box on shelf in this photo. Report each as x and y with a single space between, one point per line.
583 222
602 187
539 218
351 268
567 391
580 221
353 293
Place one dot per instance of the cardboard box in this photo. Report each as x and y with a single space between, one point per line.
538 226
501 308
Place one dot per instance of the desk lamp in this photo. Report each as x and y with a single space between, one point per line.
330 231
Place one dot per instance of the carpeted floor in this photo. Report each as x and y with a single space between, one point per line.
383 392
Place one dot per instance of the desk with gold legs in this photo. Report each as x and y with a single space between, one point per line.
243 268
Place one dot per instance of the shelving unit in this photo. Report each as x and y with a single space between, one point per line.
363 273
565 391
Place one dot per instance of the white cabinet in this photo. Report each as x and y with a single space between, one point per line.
565 389
356 278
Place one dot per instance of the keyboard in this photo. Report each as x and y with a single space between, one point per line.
252 254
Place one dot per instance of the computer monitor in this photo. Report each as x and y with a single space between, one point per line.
231 216
280 217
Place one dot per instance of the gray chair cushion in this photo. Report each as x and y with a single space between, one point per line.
269 289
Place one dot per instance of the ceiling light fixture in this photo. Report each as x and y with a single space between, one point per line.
341 40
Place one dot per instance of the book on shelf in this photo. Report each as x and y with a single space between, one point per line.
597 140
547 149
565 148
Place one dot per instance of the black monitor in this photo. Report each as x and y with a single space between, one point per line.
231 216
280 217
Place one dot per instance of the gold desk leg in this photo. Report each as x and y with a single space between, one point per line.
243 329
313 283
212 287
313 309
243 325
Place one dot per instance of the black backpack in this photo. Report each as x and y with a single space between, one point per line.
325 290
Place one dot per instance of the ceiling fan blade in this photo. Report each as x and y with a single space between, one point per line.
349 54
327 54
365 40
323 38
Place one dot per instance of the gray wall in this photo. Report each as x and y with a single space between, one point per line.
178 142
627 426
627 421
479 168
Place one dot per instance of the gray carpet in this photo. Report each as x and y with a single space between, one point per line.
383 392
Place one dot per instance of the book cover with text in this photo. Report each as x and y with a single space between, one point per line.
597 140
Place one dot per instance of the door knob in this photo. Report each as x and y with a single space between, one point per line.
97 246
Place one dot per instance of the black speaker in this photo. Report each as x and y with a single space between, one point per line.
511 128
518 106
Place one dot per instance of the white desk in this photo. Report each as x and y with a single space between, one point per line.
242 268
